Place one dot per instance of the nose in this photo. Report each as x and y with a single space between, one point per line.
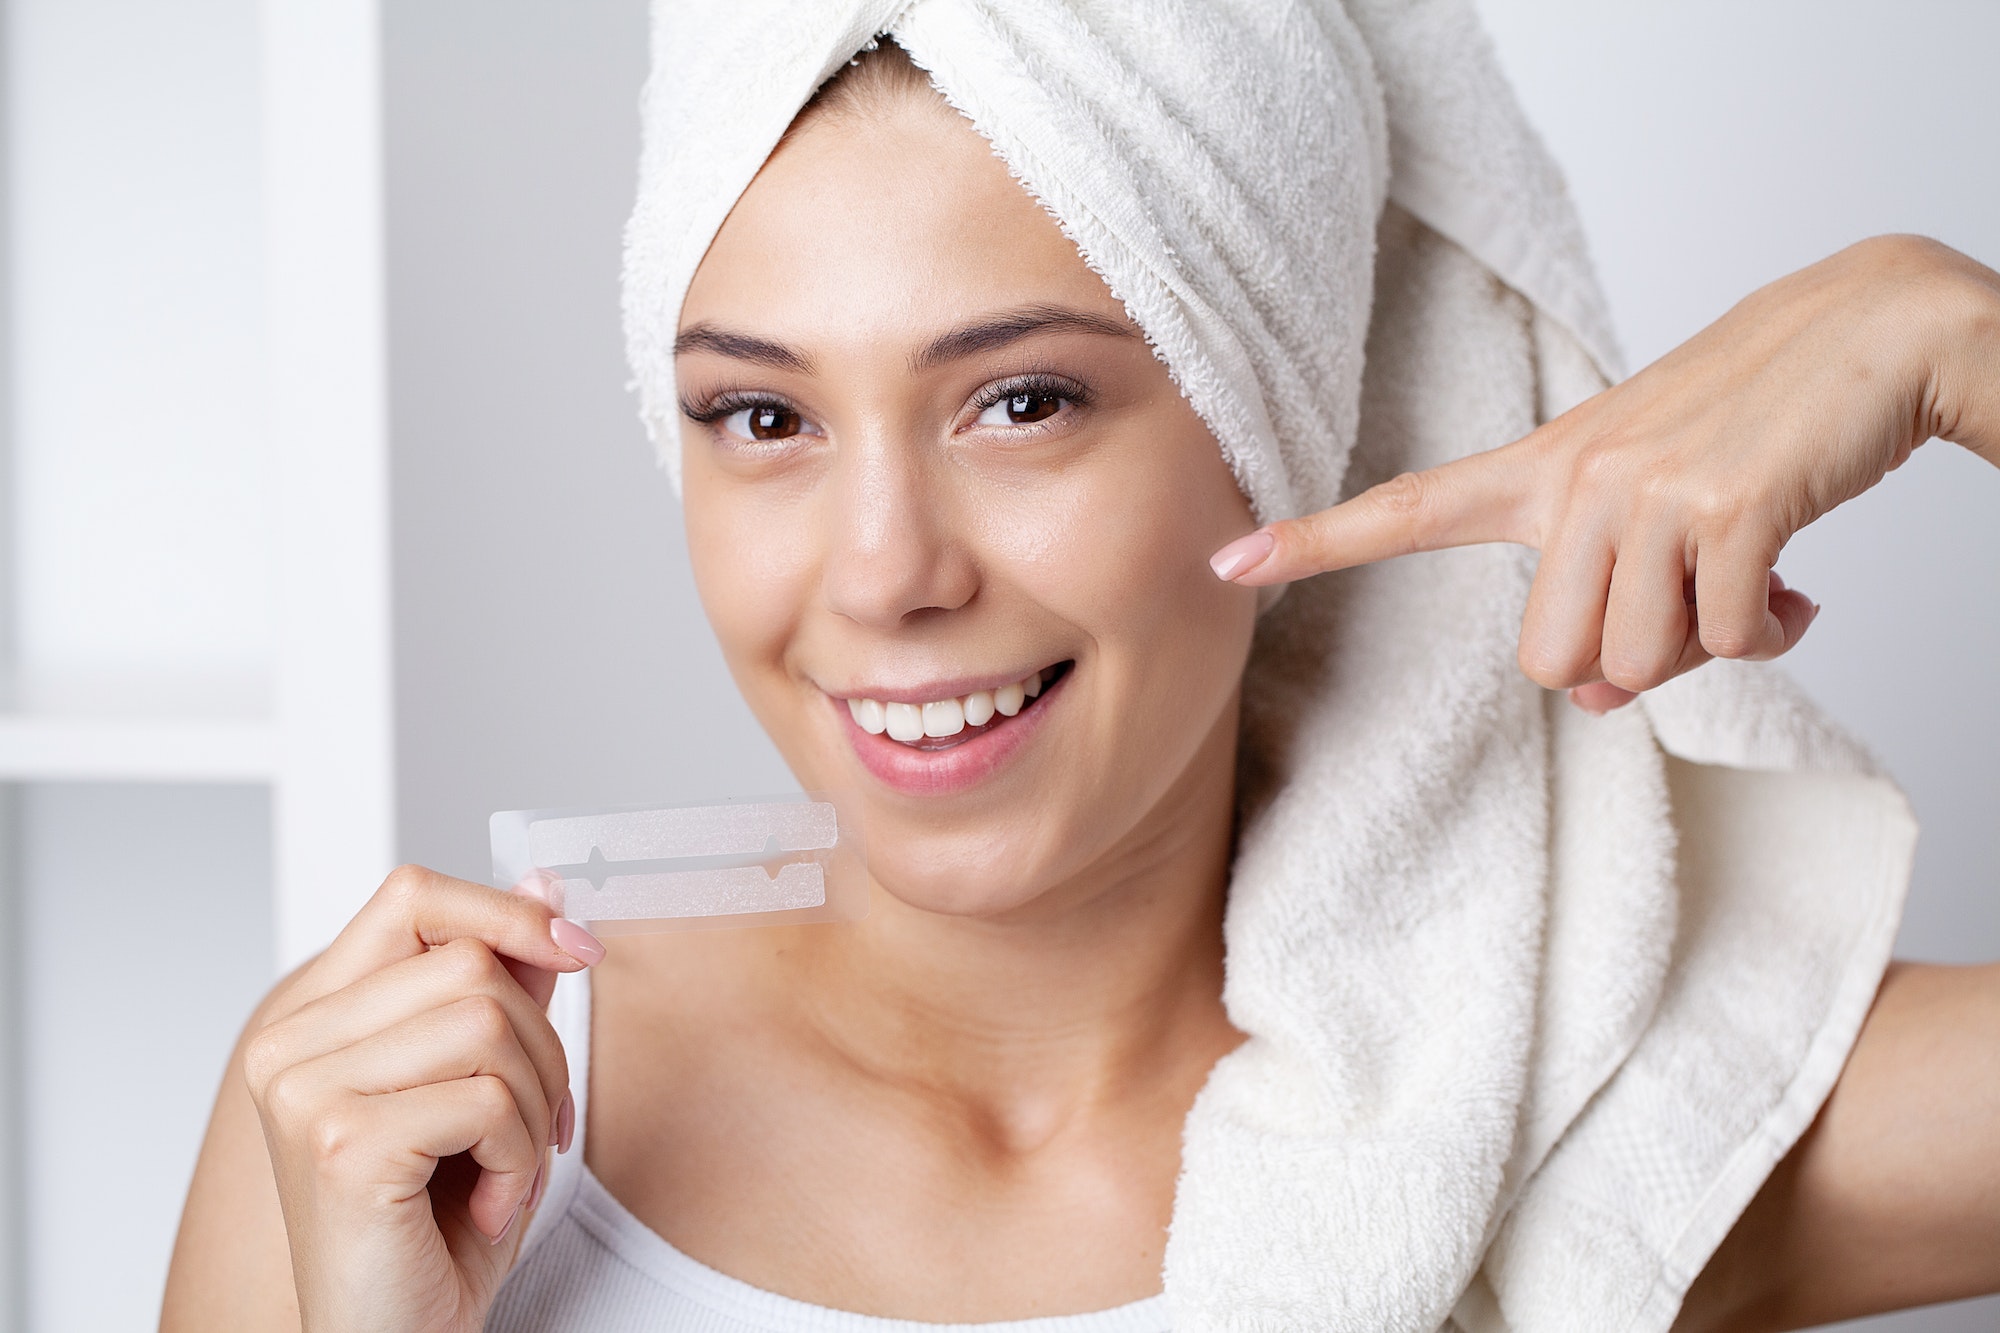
893 553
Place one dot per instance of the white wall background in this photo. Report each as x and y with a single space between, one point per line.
549 647
134 286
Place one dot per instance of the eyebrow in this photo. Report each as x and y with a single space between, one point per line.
741 347
968 340
1000 330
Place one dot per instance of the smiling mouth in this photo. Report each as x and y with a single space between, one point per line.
944 723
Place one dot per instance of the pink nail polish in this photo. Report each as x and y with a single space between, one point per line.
1243 555
575 941
566 1122
535 1190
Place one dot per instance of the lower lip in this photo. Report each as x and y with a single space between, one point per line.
955 768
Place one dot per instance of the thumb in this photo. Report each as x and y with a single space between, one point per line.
540 983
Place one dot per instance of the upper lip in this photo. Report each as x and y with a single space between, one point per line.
931 691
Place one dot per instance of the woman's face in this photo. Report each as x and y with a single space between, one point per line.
931 466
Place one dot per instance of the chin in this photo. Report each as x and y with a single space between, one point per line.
983 883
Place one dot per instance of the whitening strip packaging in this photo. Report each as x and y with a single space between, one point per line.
765 860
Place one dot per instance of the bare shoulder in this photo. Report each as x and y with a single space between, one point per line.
1892 1199
231 1267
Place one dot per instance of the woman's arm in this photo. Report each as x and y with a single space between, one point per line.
1892 1199
230 1267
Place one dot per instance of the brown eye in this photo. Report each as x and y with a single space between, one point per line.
768 421
1031 402
1023 408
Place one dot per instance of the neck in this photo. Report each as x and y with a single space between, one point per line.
1093 991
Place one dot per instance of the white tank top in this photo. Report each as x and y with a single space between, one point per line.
588 1264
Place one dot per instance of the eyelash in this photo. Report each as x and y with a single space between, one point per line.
1040 384
729 404
1044 384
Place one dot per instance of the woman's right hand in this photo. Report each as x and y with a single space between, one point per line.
409 1094
1660 505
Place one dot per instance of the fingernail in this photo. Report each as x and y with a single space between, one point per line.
565 1122
1243 555
575 941
535 1190
512 1218
537 884
1815 614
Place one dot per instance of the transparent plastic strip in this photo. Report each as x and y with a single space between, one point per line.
649 868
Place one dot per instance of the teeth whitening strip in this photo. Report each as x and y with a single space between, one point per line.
651 868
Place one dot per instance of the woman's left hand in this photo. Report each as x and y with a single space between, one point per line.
1661 504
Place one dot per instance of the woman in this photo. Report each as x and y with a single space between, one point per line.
930 458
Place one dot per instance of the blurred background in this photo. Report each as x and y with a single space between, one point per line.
326 527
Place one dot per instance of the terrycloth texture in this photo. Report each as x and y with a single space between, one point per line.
1496 1078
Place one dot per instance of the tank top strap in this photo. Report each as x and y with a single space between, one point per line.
569 1014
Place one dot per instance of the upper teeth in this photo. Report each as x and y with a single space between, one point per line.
945 717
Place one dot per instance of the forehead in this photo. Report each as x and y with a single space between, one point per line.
885 225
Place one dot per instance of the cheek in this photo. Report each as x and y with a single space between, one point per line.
1117 547
754 569
1118 544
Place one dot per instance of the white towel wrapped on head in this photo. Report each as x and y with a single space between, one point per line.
1532 1008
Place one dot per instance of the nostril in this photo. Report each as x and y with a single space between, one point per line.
901 589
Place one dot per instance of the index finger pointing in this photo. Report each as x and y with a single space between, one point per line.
1469 500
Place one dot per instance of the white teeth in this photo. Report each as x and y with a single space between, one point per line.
944 717
905 722
869 715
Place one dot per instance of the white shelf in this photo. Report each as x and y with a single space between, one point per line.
37 748
191 229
